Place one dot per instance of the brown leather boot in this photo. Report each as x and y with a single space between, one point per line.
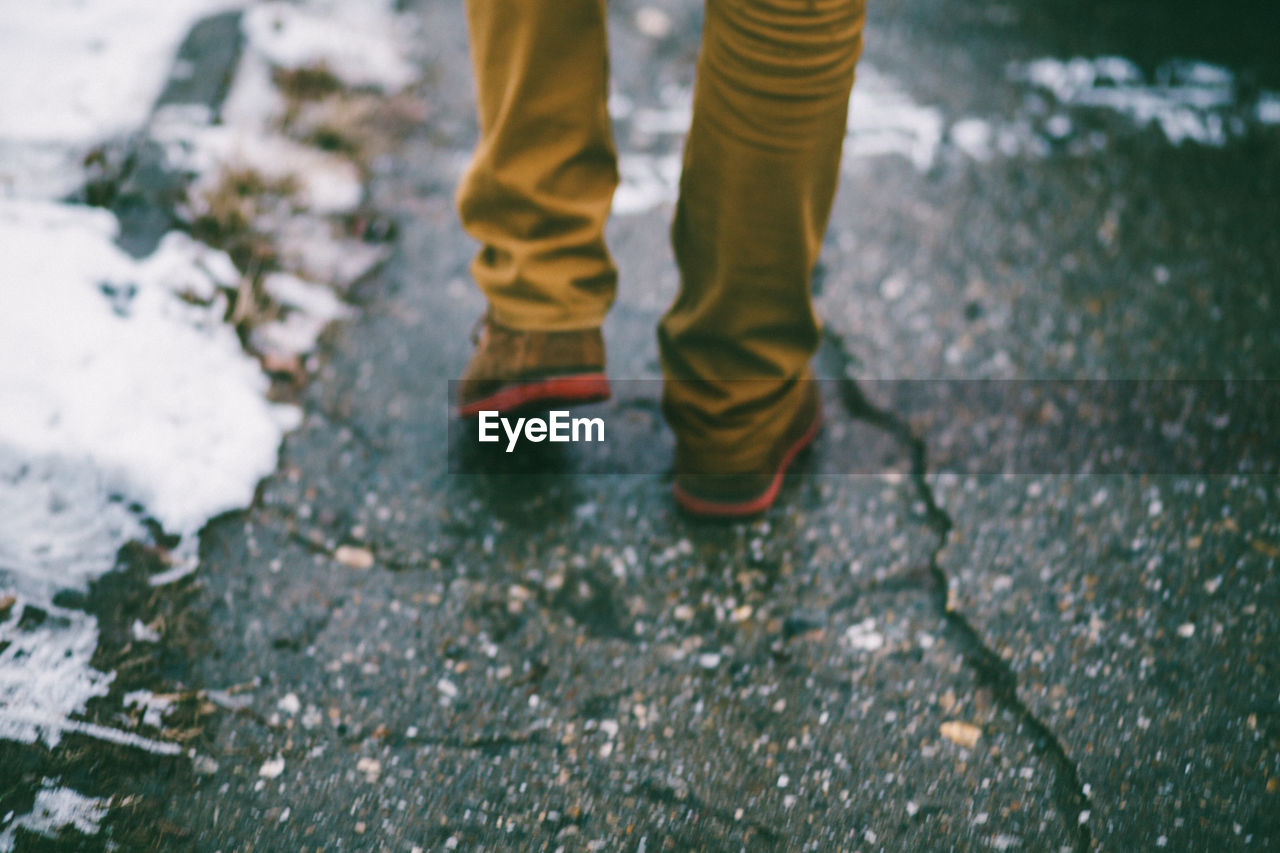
514 369
745 494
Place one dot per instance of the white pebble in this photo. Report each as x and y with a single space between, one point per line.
653 22
289 704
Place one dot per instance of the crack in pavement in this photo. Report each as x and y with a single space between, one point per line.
663 794
989 669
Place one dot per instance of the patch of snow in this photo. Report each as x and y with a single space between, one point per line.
101 359
55 808
325 183
1187 101
125 394
119 390
672 115
77 72
153 707
357 41
885 120
863 636
45 672
647 181
974 137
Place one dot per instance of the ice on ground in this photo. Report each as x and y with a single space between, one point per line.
38 170
101 358
55 808
122 391
646 181
77 73
120 388
885 120
64 520
45 672
154 708
325 183
317 250
863 636
672 115
1188 101
1269 108
974 137
310 308
357 41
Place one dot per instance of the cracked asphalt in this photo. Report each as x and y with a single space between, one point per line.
927 657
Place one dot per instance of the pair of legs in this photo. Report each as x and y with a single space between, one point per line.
761 165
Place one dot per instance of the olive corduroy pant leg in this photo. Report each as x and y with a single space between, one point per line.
761 166
541 179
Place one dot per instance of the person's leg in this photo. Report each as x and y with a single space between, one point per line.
536 196
761 166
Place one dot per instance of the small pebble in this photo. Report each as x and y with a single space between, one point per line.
353 557
961 733
653 22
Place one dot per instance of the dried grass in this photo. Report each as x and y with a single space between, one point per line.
230 216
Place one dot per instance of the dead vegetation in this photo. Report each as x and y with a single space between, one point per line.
232 213
322 111
249 214
309 83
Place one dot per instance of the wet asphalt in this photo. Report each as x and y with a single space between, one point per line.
932 656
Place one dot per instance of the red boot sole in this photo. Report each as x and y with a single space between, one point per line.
578 388
704 508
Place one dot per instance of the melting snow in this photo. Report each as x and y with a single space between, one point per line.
1187 101
124 393
55 808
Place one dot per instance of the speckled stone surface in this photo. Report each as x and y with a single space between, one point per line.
910 659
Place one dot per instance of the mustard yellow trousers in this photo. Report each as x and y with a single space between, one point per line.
760 169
